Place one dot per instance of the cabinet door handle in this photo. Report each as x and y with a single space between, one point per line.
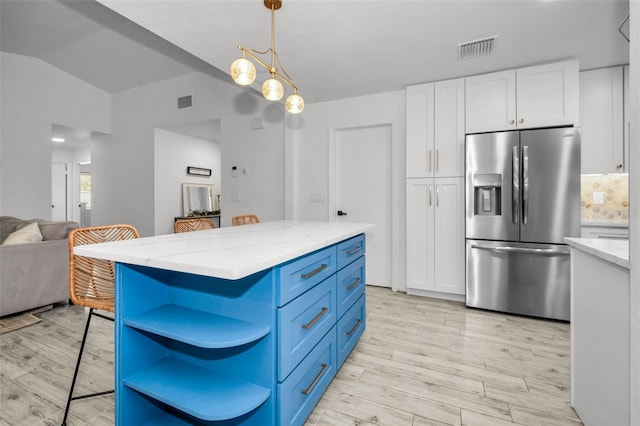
430 190
437 160
521 120
315 319
429 161
437 195
354 250
308 390
315 271
354 283
355 327
512 122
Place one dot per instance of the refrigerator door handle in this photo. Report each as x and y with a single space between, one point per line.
507 249
525 184
515 187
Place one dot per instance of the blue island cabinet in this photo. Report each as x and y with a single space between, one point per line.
260 350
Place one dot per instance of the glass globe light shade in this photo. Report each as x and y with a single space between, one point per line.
294 103
272 89
243 71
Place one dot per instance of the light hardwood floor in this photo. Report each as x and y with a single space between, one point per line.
420 362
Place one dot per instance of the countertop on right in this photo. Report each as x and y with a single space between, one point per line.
611 250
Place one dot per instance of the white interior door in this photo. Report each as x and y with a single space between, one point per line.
363 191
58 191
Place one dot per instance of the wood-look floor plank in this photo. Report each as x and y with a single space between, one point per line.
434 376
420 362
441 394
361 409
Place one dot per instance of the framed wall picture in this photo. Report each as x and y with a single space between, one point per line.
198 171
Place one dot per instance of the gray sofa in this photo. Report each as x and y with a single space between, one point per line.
34 274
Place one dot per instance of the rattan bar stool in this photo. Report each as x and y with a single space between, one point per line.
92 284
244 219
195 224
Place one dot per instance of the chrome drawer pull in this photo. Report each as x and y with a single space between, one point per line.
355 327
352 251
315 319
355 283
308 390
315 271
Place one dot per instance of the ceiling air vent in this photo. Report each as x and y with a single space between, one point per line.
476 48
184 102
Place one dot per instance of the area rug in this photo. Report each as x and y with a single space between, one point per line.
21 320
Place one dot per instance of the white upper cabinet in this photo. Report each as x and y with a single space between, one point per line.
491 102
449 128
435 129
420 133
627 117
537 96
602 120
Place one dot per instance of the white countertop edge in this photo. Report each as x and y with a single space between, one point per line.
605 223
229 253
611 250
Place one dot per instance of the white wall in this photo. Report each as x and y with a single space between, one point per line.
123 162
174 152
35 95
308 148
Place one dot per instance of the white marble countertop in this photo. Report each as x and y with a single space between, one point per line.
230 252
611 250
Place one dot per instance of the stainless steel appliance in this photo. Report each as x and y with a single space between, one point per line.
522 198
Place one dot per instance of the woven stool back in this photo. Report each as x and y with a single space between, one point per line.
188 225
244 219
92 281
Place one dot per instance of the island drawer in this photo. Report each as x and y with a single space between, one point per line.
299 275
349 250
350 328
303 322
351 285
306 384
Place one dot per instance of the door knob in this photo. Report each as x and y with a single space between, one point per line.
341 213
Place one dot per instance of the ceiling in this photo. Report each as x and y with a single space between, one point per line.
332 49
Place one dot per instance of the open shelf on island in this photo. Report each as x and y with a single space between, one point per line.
197 391
197 328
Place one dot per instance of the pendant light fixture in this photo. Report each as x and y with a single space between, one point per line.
243 71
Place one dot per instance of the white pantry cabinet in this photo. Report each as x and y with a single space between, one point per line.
602 120
435 236
537 96
435 129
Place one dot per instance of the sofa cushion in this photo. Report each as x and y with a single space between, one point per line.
8 225
52 230
26 234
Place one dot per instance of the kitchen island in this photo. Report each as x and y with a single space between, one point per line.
240 325
600 365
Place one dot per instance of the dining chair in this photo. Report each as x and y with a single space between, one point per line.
92 285
244 219
194 224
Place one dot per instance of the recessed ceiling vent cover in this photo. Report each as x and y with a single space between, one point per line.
476 48
184 102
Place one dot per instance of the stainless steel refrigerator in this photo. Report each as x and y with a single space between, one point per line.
522 198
